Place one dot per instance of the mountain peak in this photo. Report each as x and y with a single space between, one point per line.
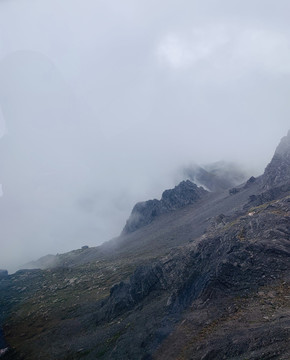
284 146
143 213
278 170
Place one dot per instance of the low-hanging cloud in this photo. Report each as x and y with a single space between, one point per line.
186 50
102 101
229 47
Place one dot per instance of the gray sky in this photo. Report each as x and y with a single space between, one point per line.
102 101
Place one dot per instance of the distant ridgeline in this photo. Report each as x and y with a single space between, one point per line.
215 177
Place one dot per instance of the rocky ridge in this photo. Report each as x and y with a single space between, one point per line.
278 170
144 213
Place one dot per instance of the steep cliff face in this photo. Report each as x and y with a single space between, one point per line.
278 170
144 213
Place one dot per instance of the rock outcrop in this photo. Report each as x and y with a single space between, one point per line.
144 213
278 170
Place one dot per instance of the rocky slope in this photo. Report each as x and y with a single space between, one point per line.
240 253
237 259
208 278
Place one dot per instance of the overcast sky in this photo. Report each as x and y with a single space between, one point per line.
102 101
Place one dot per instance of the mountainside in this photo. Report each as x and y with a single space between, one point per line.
195 275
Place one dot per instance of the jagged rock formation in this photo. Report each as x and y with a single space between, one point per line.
247 185
144 213
278 170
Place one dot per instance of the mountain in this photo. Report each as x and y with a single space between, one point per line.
215 177
143 213
195 275
278 170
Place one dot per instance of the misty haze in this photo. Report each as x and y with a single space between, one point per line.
107 106
130 129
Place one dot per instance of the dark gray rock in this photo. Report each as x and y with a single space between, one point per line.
250 181
268 195
144 213
234 191
278 170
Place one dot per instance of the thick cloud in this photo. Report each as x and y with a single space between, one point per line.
102 101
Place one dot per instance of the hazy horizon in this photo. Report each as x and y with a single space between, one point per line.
103 103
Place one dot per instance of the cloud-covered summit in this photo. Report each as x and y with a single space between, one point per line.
101 102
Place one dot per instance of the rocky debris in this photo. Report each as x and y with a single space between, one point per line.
144 213
217 222
254 327
278 170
